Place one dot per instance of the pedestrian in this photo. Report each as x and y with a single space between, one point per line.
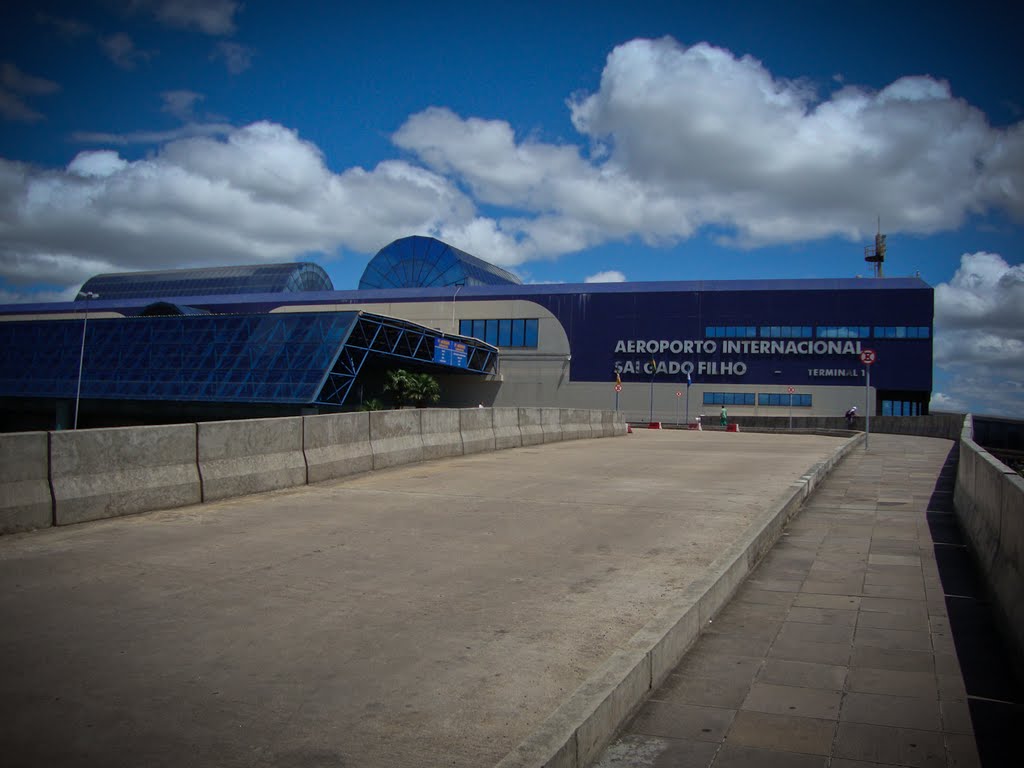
723 417
850 416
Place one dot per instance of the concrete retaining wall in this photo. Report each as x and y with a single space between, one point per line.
506 428
530 426
395 438
441 433
989 503
25 498
477 430
250 456
336 445
98 473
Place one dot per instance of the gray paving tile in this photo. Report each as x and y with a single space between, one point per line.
890 746
704 691
816 633
735 645
956 717
901 607
819 653
832 617
635 750
803 673
846 587
896 711
818 600
896 639
962 751
885 658
732 756
892 621
892 682
701 662
790 700
907 592
783 733
686 721
749 594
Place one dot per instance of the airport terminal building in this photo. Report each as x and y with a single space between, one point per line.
274 339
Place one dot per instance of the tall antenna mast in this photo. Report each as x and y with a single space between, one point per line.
875 254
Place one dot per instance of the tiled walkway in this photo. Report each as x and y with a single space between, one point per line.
839 650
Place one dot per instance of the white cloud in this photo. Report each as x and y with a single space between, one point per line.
684 137
14 86
979 333
237 58
213 17
943 402
609 276
260 194
181 104
120 49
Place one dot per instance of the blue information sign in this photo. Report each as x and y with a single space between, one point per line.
451 352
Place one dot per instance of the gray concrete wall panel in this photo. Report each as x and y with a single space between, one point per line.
237 458
395 437
337 445
25 499
989 503
530 427
440 432
100 473
477 425
575 423
506 428
551 424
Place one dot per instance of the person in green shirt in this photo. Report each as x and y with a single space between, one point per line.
723 417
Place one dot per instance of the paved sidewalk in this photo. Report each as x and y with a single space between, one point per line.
839 649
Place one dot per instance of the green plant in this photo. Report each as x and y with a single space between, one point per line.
419 389
372 404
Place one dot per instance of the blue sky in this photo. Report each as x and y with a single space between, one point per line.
564 141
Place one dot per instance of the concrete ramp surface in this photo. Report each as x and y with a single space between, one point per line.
429 614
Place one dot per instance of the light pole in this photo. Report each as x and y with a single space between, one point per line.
81 354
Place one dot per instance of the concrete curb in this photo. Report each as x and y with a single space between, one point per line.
574 735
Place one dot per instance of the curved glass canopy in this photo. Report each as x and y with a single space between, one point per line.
423 262
210 281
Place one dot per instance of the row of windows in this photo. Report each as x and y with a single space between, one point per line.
502 333
808 332
901 332
763 398
901 408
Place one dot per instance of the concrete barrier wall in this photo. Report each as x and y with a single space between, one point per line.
395 438
989 503
530 427
441 433
336 445
575 423
944 425
98 473
25 498
551 424
477 430
506 428
237 458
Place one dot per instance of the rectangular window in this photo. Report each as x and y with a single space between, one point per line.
519 332
728 398
530 337
777 399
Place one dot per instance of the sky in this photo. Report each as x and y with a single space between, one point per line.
567 142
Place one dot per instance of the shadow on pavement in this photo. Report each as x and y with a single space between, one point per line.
995 695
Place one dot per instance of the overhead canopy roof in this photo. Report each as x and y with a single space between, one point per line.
423 262
294 358
210 281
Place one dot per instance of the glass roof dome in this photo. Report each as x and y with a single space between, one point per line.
423 262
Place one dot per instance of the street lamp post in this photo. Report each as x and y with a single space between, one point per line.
81 354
